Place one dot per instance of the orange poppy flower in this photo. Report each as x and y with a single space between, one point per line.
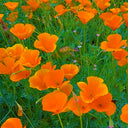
15 51
115 10
111 20
66 87
13 68
68 1
85 16
86 3
114 43
124 114
12 123
6 65
125 16
3 53
55 78
73 106
118 55
54 102
48 66
1 16
124 7
104 104
91 10
102 4
122 62
70 70
46 42
45 1
38 80
34 4
11 5
12 16
29 58
22 31
20 74
60 9
93 90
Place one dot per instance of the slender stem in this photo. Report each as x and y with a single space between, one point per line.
5 116
28 120
84 38
81 123
60 121
3 34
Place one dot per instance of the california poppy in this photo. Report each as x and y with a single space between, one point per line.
20 74
34 4
124 114
60 9
12 123
54 102
114 43
15 51
45 1
73 106
93 90
3 53
66 87
11 5
111 20
102 4
115 10
48 66
85 16
104 104
46 42
68 1
86 3
6 65
124 7
30 58
12 16
125 16
120 56
70 70
1 16
22 31
54 78
38 80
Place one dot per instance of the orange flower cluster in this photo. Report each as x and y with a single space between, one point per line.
115 45
111 20
15 59
48 77
95 95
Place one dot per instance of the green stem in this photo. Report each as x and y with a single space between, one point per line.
28 120
60 121
3 34
81 123
84 38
